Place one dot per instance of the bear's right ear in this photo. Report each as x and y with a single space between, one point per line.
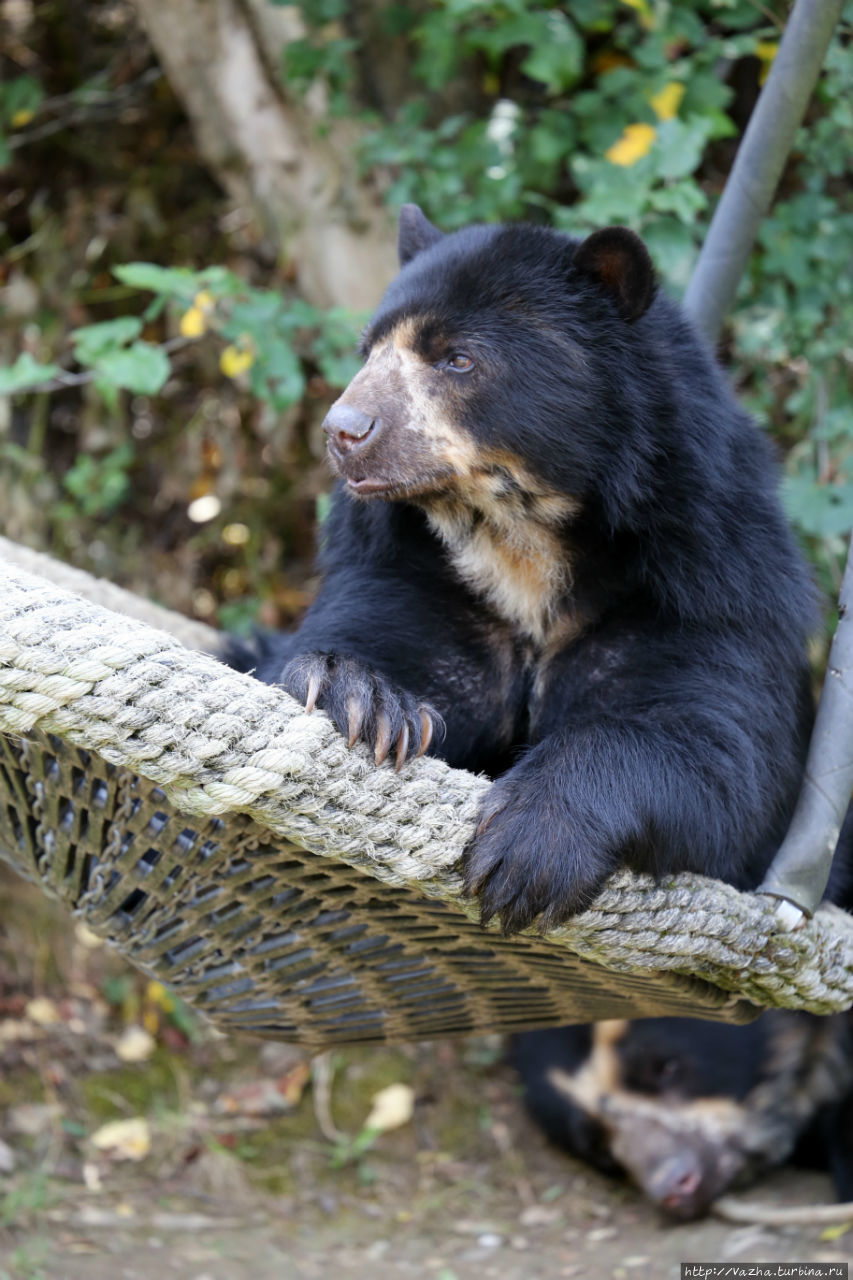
617 259
415 233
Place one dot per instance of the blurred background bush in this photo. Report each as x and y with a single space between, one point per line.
196 214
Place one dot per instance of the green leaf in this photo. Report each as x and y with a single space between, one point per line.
142 368
177 282
99 485
25 374
94 340
557 61
680 145
21 96
819 509
277 375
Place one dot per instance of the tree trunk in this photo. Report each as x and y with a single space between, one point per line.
269 151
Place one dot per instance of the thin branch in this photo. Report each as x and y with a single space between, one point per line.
733 1209
67 110
67 379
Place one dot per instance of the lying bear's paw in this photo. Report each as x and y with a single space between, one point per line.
524 861
363 704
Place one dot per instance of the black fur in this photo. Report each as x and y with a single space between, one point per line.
668 731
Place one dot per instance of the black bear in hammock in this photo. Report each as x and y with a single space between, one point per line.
556 555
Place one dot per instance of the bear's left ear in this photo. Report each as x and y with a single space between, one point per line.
415 233
617 259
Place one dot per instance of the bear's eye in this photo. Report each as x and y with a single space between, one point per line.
459 363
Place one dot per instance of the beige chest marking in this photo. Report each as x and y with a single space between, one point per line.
502 542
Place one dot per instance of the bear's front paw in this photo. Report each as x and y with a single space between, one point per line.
363 704
524 860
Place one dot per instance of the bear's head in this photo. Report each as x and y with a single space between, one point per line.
502 362
686 1108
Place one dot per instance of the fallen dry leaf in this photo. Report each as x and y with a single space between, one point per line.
265 1097
124 1139
392 1108
42 1012
135 1044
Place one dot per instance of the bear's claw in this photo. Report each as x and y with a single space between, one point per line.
364 705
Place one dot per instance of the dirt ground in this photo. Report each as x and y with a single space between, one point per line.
247 1160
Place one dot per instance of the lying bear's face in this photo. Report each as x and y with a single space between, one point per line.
475 341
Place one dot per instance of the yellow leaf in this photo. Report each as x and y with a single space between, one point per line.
83 934
42 1012
204 301
836 1231
193 323
636 142
666 103
765 51
135 1044
156 993
235 361
22 117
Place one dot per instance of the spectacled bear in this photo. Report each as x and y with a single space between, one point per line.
556 555
689 1109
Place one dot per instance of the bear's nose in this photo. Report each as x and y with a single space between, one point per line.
348 428
678 1184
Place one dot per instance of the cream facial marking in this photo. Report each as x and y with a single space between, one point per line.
499 523
601 1072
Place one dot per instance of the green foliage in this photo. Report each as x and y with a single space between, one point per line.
557 90
796 319
270 338
171 282
117 362
99 485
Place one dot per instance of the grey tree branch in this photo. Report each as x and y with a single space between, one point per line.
759 162
801 867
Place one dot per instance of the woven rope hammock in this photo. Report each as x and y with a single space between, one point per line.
232 846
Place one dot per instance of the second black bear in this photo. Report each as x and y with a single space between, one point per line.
556 554
689 1109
